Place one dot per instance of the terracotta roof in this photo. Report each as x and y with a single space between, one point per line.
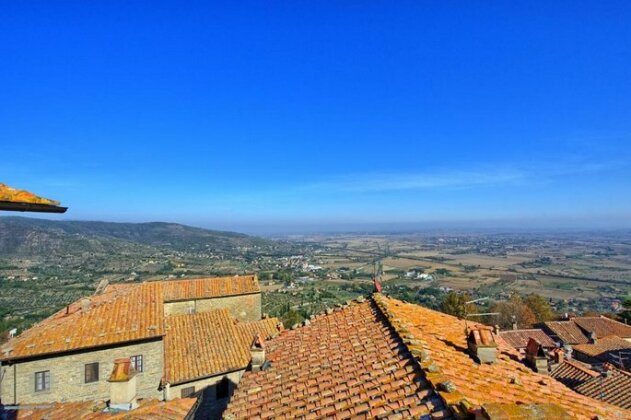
115 317
210 287
348 363
567 331
209 343
614 388
14 195
93 410
21 200
572 373
519 338
603 326
122 313
443 354
605 349
267 328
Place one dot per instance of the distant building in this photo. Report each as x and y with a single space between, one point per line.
183 337
578 330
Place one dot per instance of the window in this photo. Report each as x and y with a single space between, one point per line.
223 388
136 363
188 392
42 381
91 372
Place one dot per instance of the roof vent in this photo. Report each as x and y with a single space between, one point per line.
481 343
536 356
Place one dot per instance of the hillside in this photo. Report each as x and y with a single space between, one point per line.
35 237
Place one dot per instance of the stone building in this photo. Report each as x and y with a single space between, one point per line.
182 337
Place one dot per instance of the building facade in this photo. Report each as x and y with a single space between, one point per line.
163 327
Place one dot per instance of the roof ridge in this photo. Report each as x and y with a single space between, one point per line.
453 399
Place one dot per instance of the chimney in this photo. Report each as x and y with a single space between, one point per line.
481 343
558 356
257 352
567 352
496 330
123 385
592 337
85 304
536 356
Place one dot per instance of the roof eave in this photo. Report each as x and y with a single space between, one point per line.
31 207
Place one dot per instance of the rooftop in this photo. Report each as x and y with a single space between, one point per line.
94 410
603 326
567 331
20 200
606 349
519 338
572 373
385 356
614 388
577 330
205 343
120 314
349 362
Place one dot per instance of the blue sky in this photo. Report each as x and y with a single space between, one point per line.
264 115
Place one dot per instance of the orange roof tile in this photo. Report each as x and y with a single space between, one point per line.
603 326
346 364
209 343
572 373
267 328
508 380
115 317
14 195
614 388
209 287
566 331
94 410
119 314
605 349
519 338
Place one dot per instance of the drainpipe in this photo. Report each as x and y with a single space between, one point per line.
15 384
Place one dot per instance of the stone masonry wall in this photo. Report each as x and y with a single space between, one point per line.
67 375
243 307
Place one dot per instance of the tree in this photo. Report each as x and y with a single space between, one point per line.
513 310
454 304
540 307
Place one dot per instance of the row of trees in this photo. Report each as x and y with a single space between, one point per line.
524 311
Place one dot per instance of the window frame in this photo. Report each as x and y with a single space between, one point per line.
187 392
134 362
85 372
45 376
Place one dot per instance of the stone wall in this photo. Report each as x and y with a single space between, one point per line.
67 375
243 307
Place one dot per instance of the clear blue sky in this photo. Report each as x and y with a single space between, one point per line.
316 113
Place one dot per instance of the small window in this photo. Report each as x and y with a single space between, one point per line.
136 363
223 388
91 372
188 392
42 381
